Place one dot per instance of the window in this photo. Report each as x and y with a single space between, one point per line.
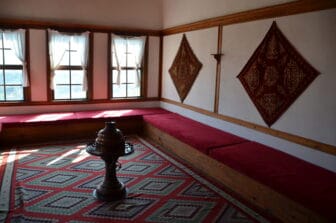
68 56
127 66
13 70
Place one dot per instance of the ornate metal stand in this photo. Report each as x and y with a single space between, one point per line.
109 146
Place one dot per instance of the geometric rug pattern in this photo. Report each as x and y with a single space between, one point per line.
55 183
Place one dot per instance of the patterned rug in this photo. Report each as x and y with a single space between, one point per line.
54 183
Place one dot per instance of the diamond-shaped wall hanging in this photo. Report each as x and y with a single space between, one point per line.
184 69
275 75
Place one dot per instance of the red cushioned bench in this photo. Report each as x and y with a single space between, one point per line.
199 136
31 128
305 183
275 178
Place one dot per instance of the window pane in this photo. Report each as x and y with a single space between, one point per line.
122 76
77 77
65 59
133 90
13 77
62 77
2 93
75 58
62 92
119 91
1 78
11 59
77 93
132 76
14 93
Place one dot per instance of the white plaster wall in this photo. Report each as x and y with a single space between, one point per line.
38 66
100 65
203 44
153 66
170 46
312 115
180 12
144 14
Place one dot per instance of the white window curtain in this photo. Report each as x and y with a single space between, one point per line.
16 39
58 44
119 48
135 47
82 45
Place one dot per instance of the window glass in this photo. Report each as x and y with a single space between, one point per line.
62 92
77 91
14 93
62 77
77 77
14 77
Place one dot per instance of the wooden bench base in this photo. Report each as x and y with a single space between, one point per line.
31 133
250 190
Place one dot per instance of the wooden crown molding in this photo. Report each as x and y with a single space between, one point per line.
330 149
291 8
33 24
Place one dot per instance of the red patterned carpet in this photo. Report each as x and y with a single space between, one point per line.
55 183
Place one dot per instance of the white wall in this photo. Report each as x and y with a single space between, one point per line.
180 12
203 44
38 64
311 116
153 66
144 14
100 64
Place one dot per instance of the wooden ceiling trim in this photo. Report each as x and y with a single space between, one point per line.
296 7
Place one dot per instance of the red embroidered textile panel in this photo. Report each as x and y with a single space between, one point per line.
275 75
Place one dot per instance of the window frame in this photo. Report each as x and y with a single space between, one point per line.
51 94
144 69
26 90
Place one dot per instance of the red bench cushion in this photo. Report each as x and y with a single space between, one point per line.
80 115
191 132
310 185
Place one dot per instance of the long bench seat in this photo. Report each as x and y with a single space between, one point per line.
46 127
287 187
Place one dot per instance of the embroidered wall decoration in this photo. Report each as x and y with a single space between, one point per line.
184 69
275 75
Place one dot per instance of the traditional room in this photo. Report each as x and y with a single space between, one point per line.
167 111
